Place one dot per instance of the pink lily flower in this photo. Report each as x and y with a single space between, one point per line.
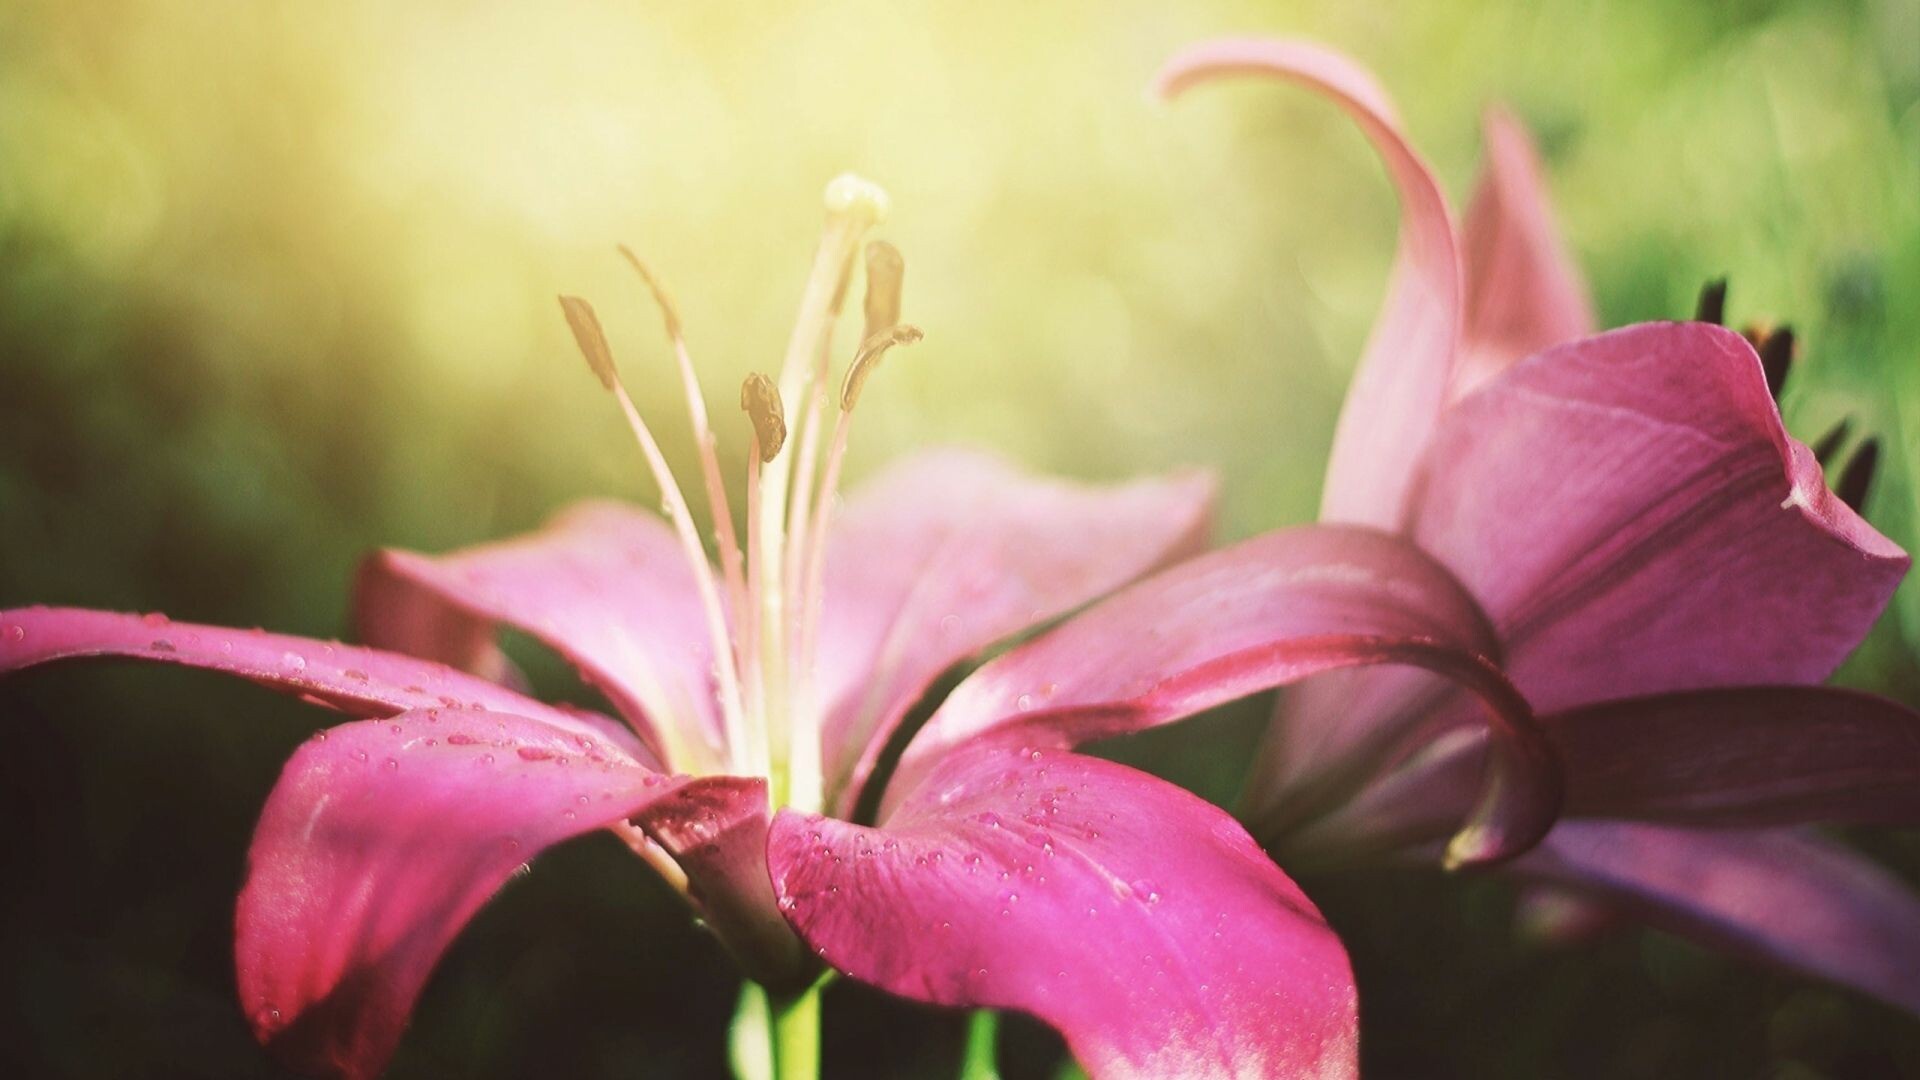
754 699
1619 524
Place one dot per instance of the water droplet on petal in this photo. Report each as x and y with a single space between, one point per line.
294 660
393 764
16 633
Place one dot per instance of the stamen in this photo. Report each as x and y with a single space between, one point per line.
1712 305
868 358
853 205
761 402
885 272
816 543
1857 478
593 345
717 505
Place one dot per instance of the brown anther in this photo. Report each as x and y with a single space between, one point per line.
664 299
591 339
868 358
1711 307
760 399
885 271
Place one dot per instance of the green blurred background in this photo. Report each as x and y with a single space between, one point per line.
278 286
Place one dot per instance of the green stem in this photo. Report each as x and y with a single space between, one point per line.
793 1028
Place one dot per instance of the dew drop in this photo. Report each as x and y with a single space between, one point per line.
1023 703
154 618
162 645
294 660
393 764
359 755
16 633
1144 891
486 759
355 674
533 753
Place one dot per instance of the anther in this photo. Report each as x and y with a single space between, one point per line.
885 271
1711 307
760 399
668 310
868 358
591 339
1857 477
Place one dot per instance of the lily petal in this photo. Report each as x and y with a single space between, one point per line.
949 552
1402 381
1769 755
1778 896
604 584
1524 293
1139 920
380 841
1632 516
355 680
1247 618
1759 756
715 827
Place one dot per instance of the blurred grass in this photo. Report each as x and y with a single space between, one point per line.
278 286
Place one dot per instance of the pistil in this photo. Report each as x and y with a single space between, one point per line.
853 206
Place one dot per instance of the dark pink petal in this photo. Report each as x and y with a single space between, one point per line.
1632 516
1402 381
380 841
1778 896
715 827
355 680
1243 619
1770 755
1748 756
946 553
604 584
1140 921
1523 291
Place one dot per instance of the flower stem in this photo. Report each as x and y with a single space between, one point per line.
793 1028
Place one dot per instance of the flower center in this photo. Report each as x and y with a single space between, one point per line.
763 606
